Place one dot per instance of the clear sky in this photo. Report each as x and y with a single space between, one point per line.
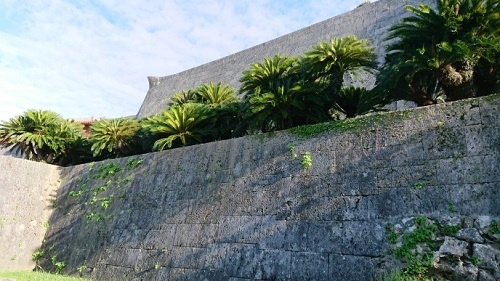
91 58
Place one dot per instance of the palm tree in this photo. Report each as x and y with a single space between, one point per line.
436 52
262 76
116 136
273 96
184 97
40 135
187 123
326 64
354 101
215 94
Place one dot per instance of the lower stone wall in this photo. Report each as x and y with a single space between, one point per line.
250 209
28 192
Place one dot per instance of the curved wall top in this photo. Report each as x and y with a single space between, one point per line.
368 21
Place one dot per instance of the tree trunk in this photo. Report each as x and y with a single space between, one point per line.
457 80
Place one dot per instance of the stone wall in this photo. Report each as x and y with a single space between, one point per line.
369 21
27 198
248 209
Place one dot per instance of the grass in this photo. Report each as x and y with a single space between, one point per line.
37 276
397 275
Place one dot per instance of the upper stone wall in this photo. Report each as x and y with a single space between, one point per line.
368 21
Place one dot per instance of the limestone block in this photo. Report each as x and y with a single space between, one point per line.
344 267
452 246
470 235
488 256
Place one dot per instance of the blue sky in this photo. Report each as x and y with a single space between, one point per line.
86 59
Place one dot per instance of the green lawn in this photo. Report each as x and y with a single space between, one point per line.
37 276
399 276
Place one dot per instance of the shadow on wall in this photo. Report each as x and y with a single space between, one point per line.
246 208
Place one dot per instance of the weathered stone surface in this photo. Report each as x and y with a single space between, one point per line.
28 194
485 276
344 267
452 246
309 266
454 269
482 223
489 258
470 235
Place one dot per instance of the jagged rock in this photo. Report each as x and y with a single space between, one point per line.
468 222
450 221
482 223
470 235
452 268
496 237
489 259
452 246
485 276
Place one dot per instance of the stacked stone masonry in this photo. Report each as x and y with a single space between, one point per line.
27 196
246 209
369 21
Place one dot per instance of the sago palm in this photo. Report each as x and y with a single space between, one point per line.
262 76
275 109
182 97
114 137
216 94
273 96
354 101
436 52
326 64
40 135
187 123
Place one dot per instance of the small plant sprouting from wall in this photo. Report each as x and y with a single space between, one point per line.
291 148
80 270
419 184
305 160
59 265
495 227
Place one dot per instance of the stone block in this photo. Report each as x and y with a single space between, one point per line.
121 257
116 273
187 257
159 239
273 265
364 238
488 256
444 142
482 140
345 267
309 266
489 110
470 235
241 260
405 176
238 229
452 246
393 202
314 237
461 170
